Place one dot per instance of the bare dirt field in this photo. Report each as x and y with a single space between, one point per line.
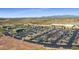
8 43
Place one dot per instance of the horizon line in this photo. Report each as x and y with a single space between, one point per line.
39 16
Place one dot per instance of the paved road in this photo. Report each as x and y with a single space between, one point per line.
71 40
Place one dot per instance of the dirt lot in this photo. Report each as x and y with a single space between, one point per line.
8 43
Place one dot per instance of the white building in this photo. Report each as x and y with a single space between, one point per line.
63 25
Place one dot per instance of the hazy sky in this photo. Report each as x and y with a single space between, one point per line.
37 12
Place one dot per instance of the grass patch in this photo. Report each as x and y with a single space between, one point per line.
2 30
75 48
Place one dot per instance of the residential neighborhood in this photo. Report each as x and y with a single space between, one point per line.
53 35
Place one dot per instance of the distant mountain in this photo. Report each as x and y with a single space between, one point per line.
43 17
64 16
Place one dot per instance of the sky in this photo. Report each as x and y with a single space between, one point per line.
36 12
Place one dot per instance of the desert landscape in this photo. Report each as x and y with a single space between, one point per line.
35 32
39 33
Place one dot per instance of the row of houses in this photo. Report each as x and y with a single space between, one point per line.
64 26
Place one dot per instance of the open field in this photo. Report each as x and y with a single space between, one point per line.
39 20
8 43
